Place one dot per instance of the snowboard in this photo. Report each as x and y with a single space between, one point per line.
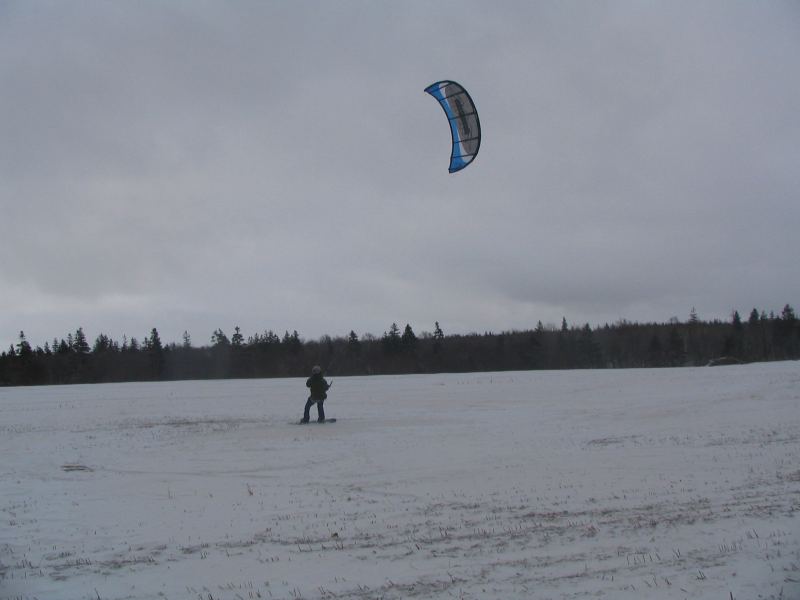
314 422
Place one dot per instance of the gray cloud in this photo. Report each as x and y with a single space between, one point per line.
276 165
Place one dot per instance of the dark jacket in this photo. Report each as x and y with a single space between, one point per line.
318 387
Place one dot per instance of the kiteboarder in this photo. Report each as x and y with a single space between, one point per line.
319 388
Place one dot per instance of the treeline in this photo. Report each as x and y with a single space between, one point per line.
624 344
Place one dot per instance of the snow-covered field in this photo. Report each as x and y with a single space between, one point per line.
673 483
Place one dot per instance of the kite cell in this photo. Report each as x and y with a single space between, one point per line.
464 124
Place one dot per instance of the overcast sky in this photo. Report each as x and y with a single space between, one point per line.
276 165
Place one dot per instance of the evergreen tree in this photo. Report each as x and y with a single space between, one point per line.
588 350
237 339
787 314
220 355
154 341
565 347
294 343
535 348
219 339
79 343
408 340
155 351
26 368
23 347
438 338
391 341
694 349
268 339
785 333
187 340
734 343
102 344
353 343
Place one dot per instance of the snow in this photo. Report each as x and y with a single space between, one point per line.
623 484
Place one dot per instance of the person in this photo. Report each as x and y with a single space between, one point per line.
319 388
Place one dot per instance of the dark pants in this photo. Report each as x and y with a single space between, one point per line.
320 410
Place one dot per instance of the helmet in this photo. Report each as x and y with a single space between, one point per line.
316 370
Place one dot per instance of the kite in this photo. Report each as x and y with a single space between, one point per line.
465 127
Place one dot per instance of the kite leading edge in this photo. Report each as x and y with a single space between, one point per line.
465 127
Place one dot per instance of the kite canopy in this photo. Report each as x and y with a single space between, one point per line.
465 127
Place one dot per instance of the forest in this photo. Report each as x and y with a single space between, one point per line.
624 344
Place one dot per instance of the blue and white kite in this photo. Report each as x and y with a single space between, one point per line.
465 126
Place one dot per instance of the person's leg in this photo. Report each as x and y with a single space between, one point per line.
320 411
309 403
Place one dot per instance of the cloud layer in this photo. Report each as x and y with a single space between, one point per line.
276 165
